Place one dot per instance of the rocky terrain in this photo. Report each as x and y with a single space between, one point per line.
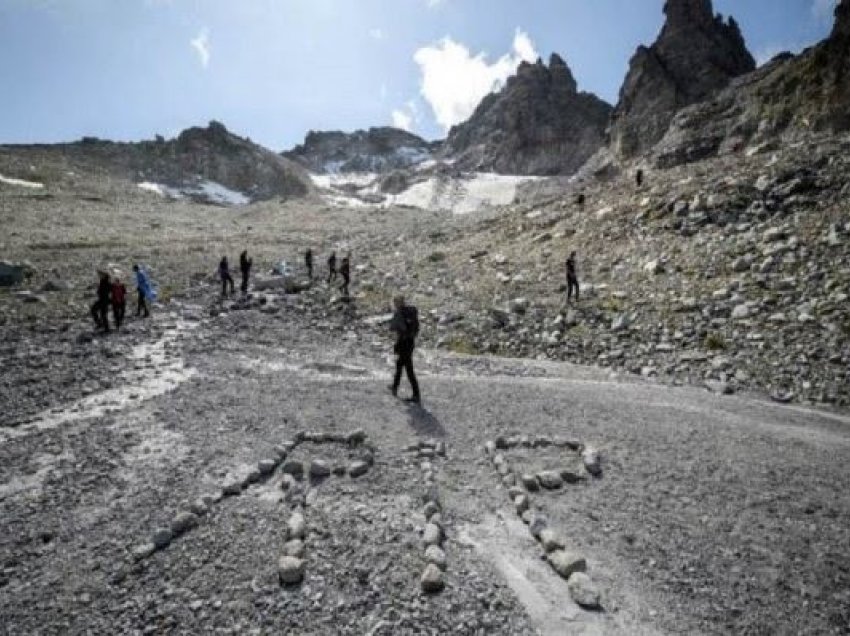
376 150
538 124
695 55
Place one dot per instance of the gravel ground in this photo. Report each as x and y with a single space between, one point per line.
713 514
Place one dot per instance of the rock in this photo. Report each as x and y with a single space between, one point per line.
550 480
521 504
741 312
14 273
184 521
162 537
435 554
287 482
432 535
251 477
566 563
55 285
620 322
583 591
654 267
356 437
142 551
490 448
294 548
573 474
296 526
319 468
537 526
432 579
27 296
293 467
266 466
358 468
592 459
518 306
530 482
199 507
290 570
551 540
431 509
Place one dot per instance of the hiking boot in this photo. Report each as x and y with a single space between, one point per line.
413 399
393 390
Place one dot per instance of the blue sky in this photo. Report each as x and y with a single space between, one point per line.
274 69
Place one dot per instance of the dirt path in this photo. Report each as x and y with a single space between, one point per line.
713 515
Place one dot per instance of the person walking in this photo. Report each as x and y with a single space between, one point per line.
332 267
224 275
345 272
572 277
405 324
119 301
308 261
245 264
639 178
100 309
145 290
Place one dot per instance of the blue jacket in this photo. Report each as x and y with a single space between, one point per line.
144 285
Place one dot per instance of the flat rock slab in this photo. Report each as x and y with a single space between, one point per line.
296 526
433 534
551 540
319 468
358 468
550 480
583 591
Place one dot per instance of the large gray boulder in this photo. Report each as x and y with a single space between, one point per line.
14 273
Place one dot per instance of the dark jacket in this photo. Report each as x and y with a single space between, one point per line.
104 290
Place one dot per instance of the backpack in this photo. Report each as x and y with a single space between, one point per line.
411 320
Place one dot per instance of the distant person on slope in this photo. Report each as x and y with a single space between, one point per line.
308 261
639 178
245 264
572 278
100 309
146 293
119 301
405 324
224 274
332 267
345 272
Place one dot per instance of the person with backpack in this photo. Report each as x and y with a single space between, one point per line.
145 289
405 324
331 267
119 301
345 272
308 261
100 309
224 275
245 264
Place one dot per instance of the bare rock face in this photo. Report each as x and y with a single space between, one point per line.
538 124
696 55
374 150
788 97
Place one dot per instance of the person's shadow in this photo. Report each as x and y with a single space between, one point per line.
423 421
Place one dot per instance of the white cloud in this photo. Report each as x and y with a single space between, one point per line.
376 34
824 10
201 44
454 81
402 119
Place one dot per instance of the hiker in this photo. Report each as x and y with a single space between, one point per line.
99 310
224 274
332 267
572 278
245 264
405 324
119 300
345 272
143 286
308 261
639 178
580 200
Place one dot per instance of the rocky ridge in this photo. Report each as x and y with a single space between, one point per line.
789 97
695 55
375 150
538 124
196 157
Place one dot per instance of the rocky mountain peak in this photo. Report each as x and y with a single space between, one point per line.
842 20
537 124
696 54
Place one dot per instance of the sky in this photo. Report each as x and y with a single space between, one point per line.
271 70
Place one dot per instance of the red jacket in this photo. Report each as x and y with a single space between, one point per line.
119 293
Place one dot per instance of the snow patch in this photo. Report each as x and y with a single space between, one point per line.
460 196
208 191
34 185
